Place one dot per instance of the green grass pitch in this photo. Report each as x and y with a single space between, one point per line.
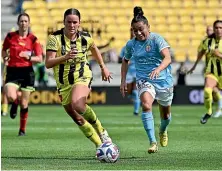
54 142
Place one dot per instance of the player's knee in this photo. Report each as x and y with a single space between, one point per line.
24 104
11 97
146 106
79 107
79 120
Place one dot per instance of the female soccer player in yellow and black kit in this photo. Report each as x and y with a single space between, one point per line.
66 53
212 46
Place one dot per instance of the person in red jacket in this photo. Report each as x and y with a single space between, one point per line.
20 48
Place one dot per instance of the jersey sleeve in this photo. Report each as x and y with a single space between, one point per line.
6 43
128 50
122 52
37 48
161 43
52 44
90 42
203 45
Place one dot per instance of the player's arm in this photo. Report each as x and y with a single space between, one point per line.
217 53
124 67
51 50
37 57
6 46
97 55
201 51
166 59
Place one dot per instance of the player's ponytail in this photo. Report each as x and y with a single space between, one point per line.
138 16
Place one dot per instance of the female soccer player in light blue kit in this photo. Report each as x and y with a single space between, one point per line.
153 76
131 79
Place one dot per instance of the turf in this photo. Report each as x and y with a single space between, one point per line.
54 142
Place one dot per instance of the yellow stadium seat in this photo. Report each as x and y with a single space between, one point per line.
198 20
40 4
200 4
102 4
31 13
209 20
89 4
176 4
138 3
150 4
113 4
185 19
28 5
173 19
174 28
52 5
164 4
214 4
188 28
188 4
184 43
180 54
195 43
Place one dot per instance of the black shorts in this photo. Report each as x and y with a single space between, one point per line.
24 77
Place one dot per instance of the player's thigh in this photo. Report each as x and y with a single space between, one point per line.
211 81
10 90
147 94
80 93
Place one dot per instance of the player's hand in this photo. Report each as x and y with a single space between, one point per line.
154 74
123 89
106 75
191 70
217 53
24 55
71 54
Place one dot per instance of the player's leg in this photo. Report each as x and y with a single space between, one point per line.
79 102
147 95
134 94
74 102
11 93
14 106
218 99
164 100
25 94
165 116
4 110
210 83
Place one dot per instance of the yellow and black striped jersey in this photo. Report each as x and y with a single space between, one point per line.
213 63
66 72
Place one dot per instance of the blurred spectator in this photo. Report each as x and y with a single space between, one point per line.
40 72
181 74
17 6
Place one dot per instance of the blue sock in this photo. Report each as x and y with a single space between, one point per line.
164 124
136 101
148 123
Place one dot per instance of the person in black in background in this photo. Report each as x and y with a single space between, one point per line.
181 74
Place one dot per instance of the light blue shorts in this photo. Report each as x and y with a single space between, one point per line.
163 96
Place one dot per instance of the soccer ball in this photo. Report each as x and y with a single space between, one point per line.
107 152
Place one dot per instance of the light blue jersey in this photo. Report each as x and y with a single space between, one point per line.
147 58
131 72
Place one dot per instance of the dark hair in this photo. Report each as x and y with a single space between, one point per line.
138 16
214 24
217 21
23 14
71 11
